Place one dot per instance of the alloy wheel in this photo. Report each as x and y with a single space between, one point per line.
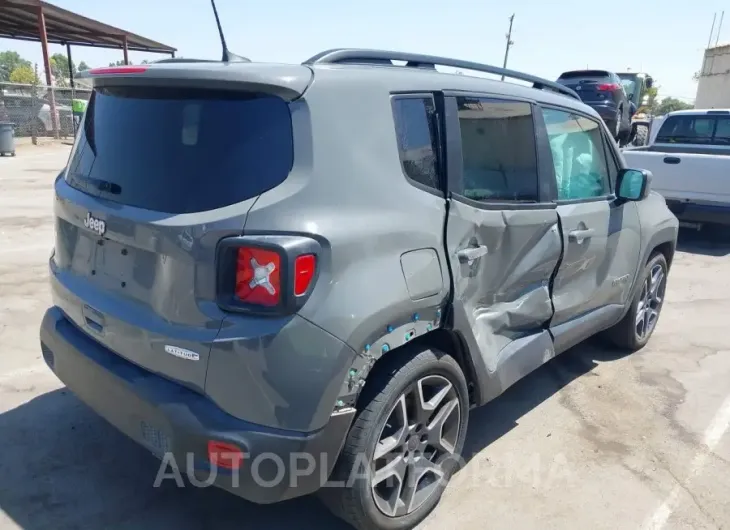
650 301
419 435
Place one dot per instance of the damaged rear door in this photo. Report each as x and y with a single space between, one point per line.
502 236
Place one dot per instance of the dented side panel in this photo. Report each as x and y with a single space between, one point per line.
503 297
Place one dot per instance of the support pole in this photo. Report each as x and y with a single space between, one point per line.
73 86
510 42
47 66
126 51
70 67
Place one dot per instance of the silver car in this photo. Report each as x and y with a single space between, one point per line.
300 278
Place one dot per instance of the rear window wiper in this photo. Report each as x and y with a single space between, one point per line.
105 186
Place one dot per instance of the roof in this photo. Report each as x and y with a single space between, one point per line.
412 79
698 112
19 20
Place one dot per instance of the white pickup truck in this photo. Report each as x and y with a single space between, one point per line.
689 156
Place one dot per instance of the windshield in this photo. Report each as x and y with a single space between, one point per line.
632 86
181 150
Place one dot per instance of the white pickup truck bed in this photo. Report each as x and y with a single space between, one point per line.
691 171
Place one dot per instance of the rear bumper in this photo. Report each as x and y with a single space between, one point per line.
691 212
176 424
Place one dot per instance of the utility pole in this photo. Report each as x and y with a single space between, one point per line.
510 42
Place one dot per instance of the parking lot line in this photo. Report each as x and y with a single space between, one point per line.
712 436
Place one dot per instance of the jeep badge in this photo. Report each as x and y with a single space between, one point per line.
95 225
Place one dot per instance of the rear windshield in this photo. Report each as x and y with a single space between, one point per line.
181 150
585 74
695 129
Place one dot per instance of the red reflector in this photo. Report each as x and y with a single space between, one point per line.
118 70
608 86
258 276
222 454
304 268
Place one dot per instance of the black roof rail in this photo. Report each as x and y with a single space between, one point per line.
383 57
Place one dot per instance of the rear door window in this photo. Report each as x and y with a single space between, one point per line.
181 150
498 150
722 131
414 125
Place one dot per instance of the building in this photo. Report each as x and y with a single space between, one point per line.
713 87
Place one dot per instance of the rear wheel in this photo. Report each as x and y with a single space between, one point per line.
636 328
404 444
617 127
642 136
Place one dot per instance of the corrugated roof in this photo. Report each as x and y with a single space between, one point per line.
19 20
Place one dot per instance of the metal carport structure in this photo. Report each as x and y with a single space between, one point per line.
37 20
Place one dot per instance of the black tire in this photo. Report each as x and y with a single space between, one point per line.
356 503
624 125
616 130
642 136
625 334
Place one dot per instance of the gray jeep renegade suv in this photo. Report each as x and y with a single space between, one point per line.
302 277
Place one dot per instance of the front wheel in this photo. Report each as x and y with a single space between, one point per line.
636 328
404 444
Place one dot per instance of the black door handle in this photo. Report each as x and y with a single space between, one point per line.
672 160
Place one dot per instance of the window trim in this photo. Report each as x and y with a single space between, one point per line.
611 196
611 152
435 141
454 156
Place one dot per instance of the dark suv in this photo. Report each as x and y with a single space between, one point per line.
294 278
603 91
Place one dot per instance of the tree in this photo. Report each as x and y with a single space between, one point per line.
651 94
83 66
119 63
59 68
670 104
24 74
9 61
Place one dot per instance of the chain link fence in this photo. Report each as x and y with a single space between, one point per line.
31 109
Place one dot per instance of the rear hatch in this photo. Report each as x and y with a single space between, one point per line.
161 170
593 86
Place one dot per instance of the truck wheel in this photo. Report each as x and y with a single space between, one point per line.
405 442
637 326
642 136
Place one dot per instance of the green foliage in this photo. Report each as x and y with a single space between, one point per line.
651 94
59 68
670 104
83 66
23 74
9 61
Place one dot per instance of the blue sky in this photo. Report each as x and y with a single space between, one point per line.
665 39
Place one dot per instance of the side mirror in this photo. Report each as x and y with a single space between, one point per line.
633 184
649 82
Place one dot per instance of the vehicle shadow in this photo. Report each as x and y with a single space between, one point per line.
498 417
710 241
62 467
